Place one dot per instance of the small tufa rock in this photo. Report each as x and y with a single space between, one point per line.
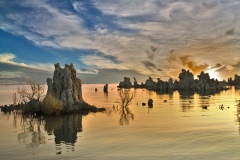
204 107
150 102
105 88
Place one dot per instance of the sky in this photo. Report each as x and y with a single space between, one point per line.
107 40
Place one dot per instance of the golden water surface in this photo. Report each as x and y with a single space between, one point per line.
177 126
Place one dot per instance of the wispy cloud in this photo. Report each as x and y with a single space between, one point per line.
192 65
8 58
87 71
100 62
43 23
175 6
142 35
149 65
12 70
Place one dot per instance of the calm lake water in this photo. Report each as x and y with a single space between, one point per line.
177 129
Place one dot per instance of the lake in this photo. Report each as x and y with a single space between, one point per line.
176 127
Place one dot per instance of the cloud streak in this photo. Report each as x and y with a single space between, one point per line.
12 71
149 34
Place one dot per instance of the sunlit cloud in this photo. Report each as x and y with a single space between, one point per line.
100 62
125 8
8 58
192 65
153 38
14 71
46 25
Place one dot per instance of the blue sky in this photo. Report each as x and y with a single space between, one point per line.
107 40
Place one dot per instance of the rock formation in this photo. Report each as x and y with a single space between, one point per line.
135 83
186 80
186 83
150 102
203 83
150 84
171 84
235 82
66 87
236 79
126 83
161 85
105 88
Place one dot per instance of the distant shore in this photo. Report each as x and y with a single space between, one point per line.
186 82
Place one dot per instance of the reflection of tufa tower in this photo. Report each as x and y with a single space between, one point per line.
65 129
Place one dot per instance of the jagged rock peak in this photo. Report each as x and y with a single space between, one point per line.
57 66
65 86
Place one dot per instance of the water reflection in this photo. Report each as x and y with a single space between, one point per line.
190 99
32 133
125 114
238 112
125 99
186 99
200 93
205 101
208 92
63 132
186 107
65 129
125 117
35 130
186 93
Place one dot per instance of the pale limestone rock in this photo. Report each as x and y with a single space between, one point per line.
65 86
